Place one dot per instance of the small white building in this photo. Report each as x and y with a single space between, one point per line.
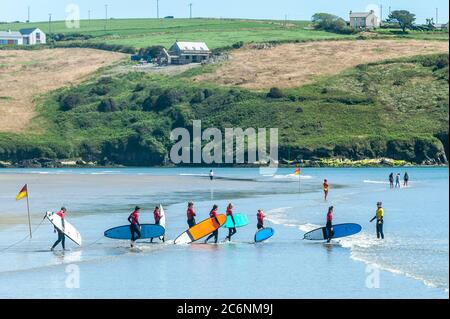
364 20
11 38
188 52
29 36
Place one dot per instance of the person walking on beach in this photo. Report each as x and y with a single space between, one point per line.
61 237
211 174
329 225
405 179
397 180
231 231
215 234
260 217
157 216
391 180
379 216
190 215
325 188
135 227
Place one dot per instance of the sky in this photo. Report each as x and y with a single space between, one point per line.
12 10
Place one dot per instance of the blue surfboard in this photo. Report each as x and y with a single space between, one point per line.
339 230
124 232
240 220
264 234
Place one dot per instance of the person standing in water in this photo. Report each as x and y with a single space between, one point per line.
329 225
211 174
61 237
405 179
157 216
231 231
215 234
325 188
397 180
190 215
391 180
135 227
379 216
260 217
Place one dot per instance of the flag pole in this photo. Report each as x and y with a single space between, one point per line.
28 209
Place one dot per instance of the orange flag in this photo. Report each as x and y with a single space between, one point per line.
297 171
23 193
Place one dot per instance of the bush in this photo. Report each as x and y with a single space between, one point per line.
147 105
331 23
70 101
168 99
107 105
238 45
100 90
275 93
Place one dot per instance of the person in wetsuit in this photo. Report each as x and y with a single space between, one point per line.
405 179
157 216
260 218
397 180
329 225
391 180
325 188
215 234
135 227
190 215
231 231
61 237
379 216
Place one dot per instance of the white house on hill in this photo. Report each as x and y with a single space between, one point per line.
188 52
364 20
30 36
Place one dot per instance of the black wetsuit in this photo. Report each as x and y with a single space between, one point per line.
330 232
231 231
61 239
135 230
380 229
191 222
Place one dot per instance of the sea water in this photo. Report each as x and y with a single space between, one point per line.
411 262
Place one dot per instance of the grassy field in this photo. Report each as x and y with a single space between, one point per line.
395 108
218 33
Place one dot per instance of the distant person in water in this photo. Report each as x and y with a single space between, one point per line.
325 188
190 215
379 216
157 216
260 218
231 231
211 174
135 227
405 179
61 237
397 180
215 234
391 180
329 225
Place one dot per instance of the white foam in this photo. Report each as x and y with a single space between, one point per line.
374 182
308 227
292 177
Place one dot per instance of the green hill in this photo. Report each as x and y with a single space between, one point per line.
396 109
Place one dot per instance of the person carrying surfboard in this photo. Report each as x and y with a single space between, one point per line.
260 217
135 227
190 215
215 234
325 188
157 216
61 237
379 216
231 231
329 225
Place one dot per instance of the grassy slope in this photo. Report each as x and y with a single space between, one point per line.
393 108
217 33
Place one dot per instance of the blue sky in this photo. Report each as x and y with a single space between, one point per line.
11 10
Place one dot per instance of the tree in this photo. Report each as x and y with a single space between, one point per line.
330 22
404 18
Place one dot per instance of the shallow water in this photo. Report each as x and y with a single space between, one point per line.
412 262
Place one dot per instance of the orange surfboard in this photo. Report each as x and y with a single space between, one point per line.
201 230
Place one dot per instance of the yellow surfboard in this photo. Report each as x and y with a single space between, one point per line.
201 230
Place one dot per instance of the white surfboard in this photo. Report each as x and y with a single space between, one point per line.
70 231
162 221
